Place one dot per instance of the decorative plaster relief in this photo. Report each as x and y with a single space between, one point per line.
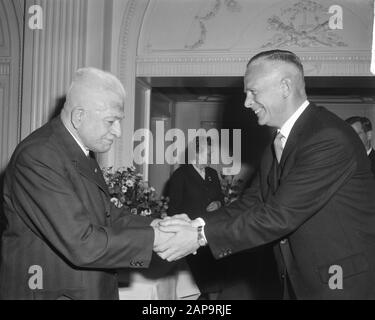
304 24
230 5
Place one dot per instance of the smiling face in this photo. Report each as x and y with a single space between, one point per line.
265 95
99 124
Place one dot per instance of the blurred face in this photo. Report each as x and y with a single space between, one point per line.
201 161
100 124
365 137
264 95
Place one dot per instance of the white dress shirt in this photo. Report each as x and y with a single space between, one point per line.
202 172
288 125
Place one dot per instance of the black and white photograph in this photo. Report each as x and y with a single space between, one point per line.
200 151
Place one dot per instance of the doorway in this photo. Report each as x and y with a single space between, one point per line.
206 102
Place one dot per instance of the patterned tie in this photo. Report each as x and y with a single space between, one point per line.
278 146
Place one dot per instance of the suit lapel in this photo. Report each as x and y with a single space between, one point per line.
195 175
90 169
86 166
274 170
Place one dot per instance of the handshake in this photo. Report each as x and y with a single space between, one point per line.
175 237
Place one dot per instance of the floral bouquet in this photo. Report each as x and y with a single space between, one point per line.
230 187
128 189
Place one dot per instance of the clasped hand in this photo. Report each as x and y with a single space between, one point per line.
175 237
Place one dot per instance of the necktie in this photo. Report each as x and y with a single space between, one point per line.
278 146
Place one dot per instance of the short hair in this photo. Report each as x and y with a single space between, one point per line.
279 55
365 122
96 80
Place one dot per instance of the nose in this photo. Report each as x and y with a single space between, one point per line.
249 101
116 129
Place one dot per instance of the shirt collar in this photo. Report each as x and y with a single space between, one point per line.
200 171
369 151
84 149
288 125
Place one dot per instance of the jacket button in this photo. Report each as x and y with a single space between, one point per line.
108 214
95 170
283 276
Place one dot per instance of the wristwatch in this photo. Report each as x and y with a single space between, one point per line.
201 240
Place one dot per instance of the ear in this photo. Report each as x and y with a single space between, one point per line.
77 117
369 135
286 87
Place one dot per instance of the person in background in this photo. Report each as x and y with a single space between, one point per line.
363 127
191 189
194 188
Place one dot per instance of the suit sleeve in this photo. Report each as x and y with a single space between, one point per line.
121 215
47 202
321 168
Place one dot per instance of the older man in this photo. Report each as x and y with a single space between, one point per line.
314 198
64 239
363 127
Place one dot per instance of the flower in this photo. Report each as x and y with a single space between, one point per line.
129 183
231 188
115 201
128 189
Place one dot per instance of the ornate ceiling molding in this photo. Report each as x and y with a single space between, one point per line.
316 64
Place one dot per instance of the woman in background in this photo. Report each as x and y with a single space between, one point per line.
191 189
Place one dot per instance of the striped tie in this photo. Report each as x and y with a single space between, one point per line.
278 146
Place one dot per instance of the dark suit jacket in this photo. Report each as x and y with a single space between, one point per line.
371 156
189 193
317 206
59 217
